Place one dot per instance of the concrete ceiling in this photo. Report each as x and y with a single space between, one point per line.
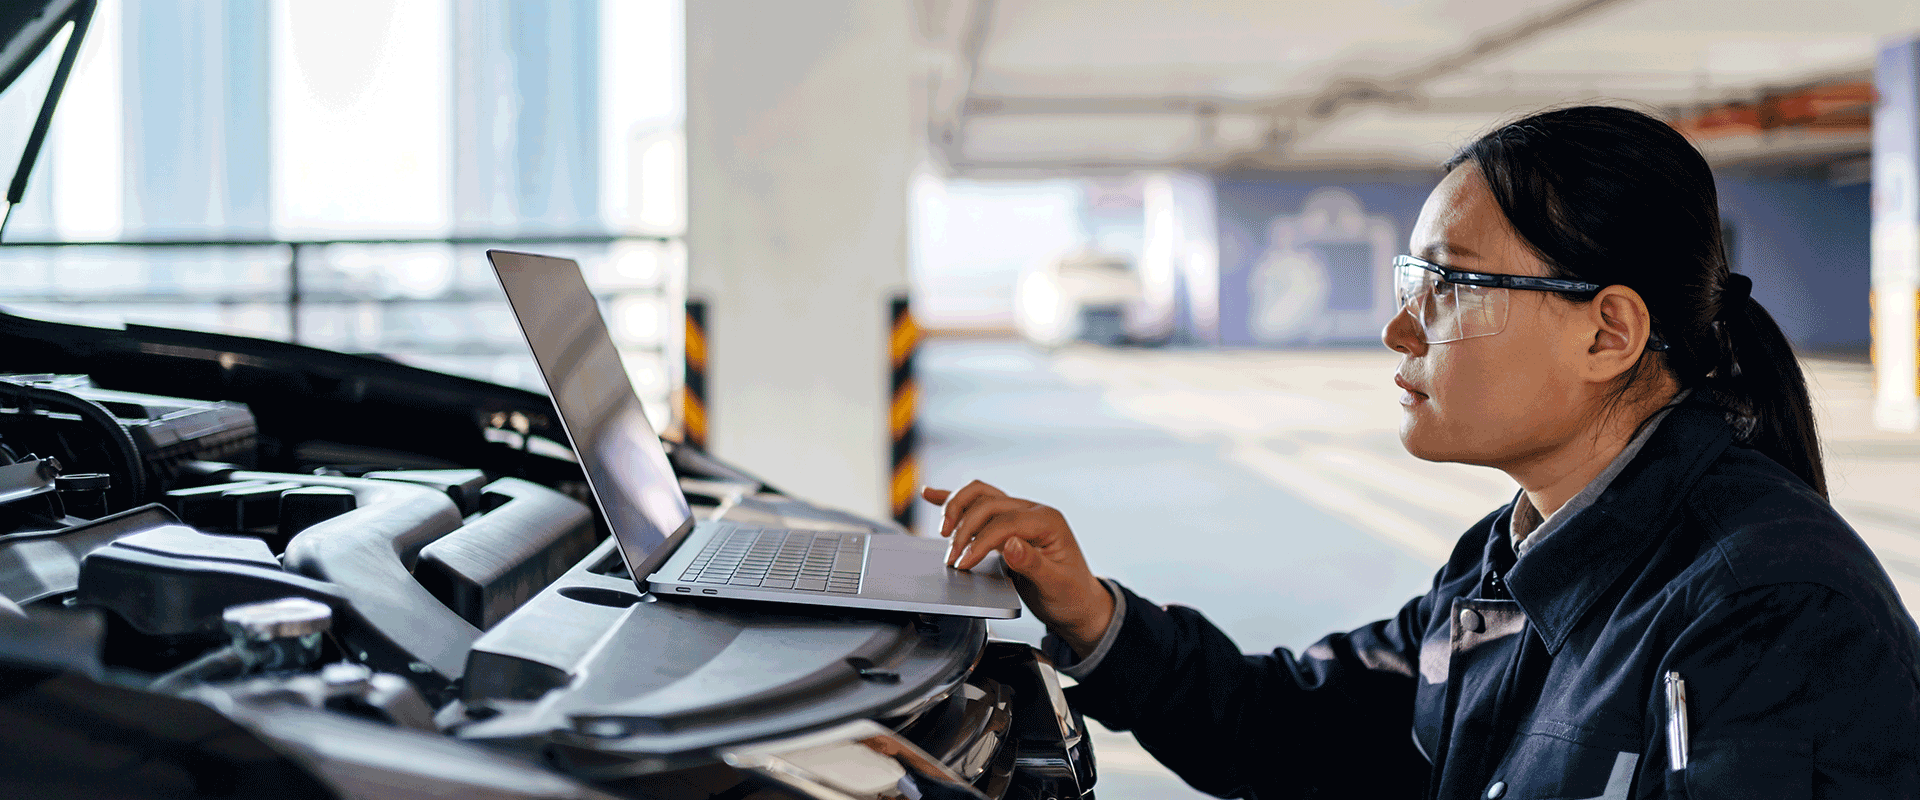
1052 86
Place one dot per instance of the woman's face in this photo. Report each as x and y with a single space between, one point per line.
1502 400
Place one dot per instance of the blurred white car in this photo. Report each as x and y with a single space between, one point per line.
1085 295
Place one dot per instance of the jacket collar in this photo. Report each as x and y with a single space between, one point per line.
1566 573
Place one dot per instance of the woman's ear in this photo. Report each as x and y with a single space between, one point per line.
1621 325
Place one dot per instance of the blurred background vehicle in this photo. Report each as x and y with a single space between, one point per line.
1086 296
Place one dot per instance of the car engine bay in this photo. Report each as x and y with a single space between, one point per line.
237 567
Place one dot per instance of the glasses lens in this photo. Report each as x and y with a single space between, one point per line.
1481 310
1412 284
1449 312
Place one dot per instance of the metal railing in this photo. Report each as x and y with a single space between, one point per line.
297 250
460 324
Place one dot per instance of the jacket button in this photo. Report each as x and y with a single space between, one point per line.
1470 621
1497 790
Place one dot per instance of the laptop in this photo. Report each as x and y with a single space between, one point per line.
669 552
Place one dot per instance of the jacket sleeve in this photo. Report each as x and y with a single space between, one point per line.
1795 691
1338 717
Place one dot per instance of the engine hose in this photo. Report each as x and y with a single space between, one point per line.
131 469
220 663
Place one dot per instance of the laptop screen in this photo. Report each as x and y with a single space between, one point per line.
625 465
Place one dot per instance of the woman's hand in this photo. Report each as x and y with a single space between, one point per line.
1038 547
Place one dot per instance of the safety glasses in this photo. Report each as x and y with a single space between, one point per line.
1451 305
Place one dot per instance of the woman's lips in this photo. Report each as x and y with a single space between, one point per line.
1411 396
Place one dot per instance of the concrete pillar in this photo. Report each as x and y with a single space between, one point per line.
1180 261
1896 238
801 124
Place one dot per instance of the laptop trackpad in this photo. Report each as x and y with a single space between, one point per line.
915 568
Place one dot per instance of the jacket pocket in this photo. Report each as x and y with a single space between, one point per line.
1749 770
1566 765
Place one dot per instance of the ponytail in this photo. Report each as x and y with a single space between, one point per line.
1758 380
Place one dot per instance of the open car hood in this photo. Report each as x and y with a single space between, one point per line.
27 27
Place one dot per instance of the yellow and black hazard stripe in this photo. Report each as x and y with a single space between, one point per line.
902 342
693 385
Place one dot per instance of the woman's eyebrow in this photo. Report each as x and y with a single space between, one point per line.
1434 251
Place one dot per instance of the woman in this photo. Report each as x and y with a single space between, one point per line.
1568 318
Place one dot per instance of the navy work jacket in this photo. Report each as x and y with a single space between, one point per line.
1542 678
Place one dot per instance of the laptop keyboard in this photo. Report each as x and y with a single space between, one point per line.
814 561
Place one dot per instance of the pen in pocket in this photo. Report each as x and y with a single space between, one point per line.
1676 721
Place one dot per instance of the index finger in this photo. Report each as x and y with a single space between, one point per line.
957 503
934 496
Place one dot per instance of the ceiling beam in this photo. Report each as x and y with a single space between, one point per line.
989 106
948 122
1489 45
1292 114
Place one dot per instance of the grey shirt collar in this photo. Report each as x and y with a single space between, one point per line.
1526 527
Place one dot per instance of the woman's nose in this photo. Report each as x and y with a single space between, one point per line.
1402 334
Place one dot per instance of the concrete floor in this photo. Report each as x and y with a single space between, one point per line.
1269 489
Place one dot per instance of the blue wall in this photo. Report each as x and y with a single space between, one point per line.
1804 242
1806 245
1248 205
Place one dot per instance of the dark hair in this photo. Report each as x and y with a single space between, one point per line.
1616 197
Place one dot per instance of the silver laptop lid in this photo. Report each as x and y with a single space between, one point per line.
627 469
